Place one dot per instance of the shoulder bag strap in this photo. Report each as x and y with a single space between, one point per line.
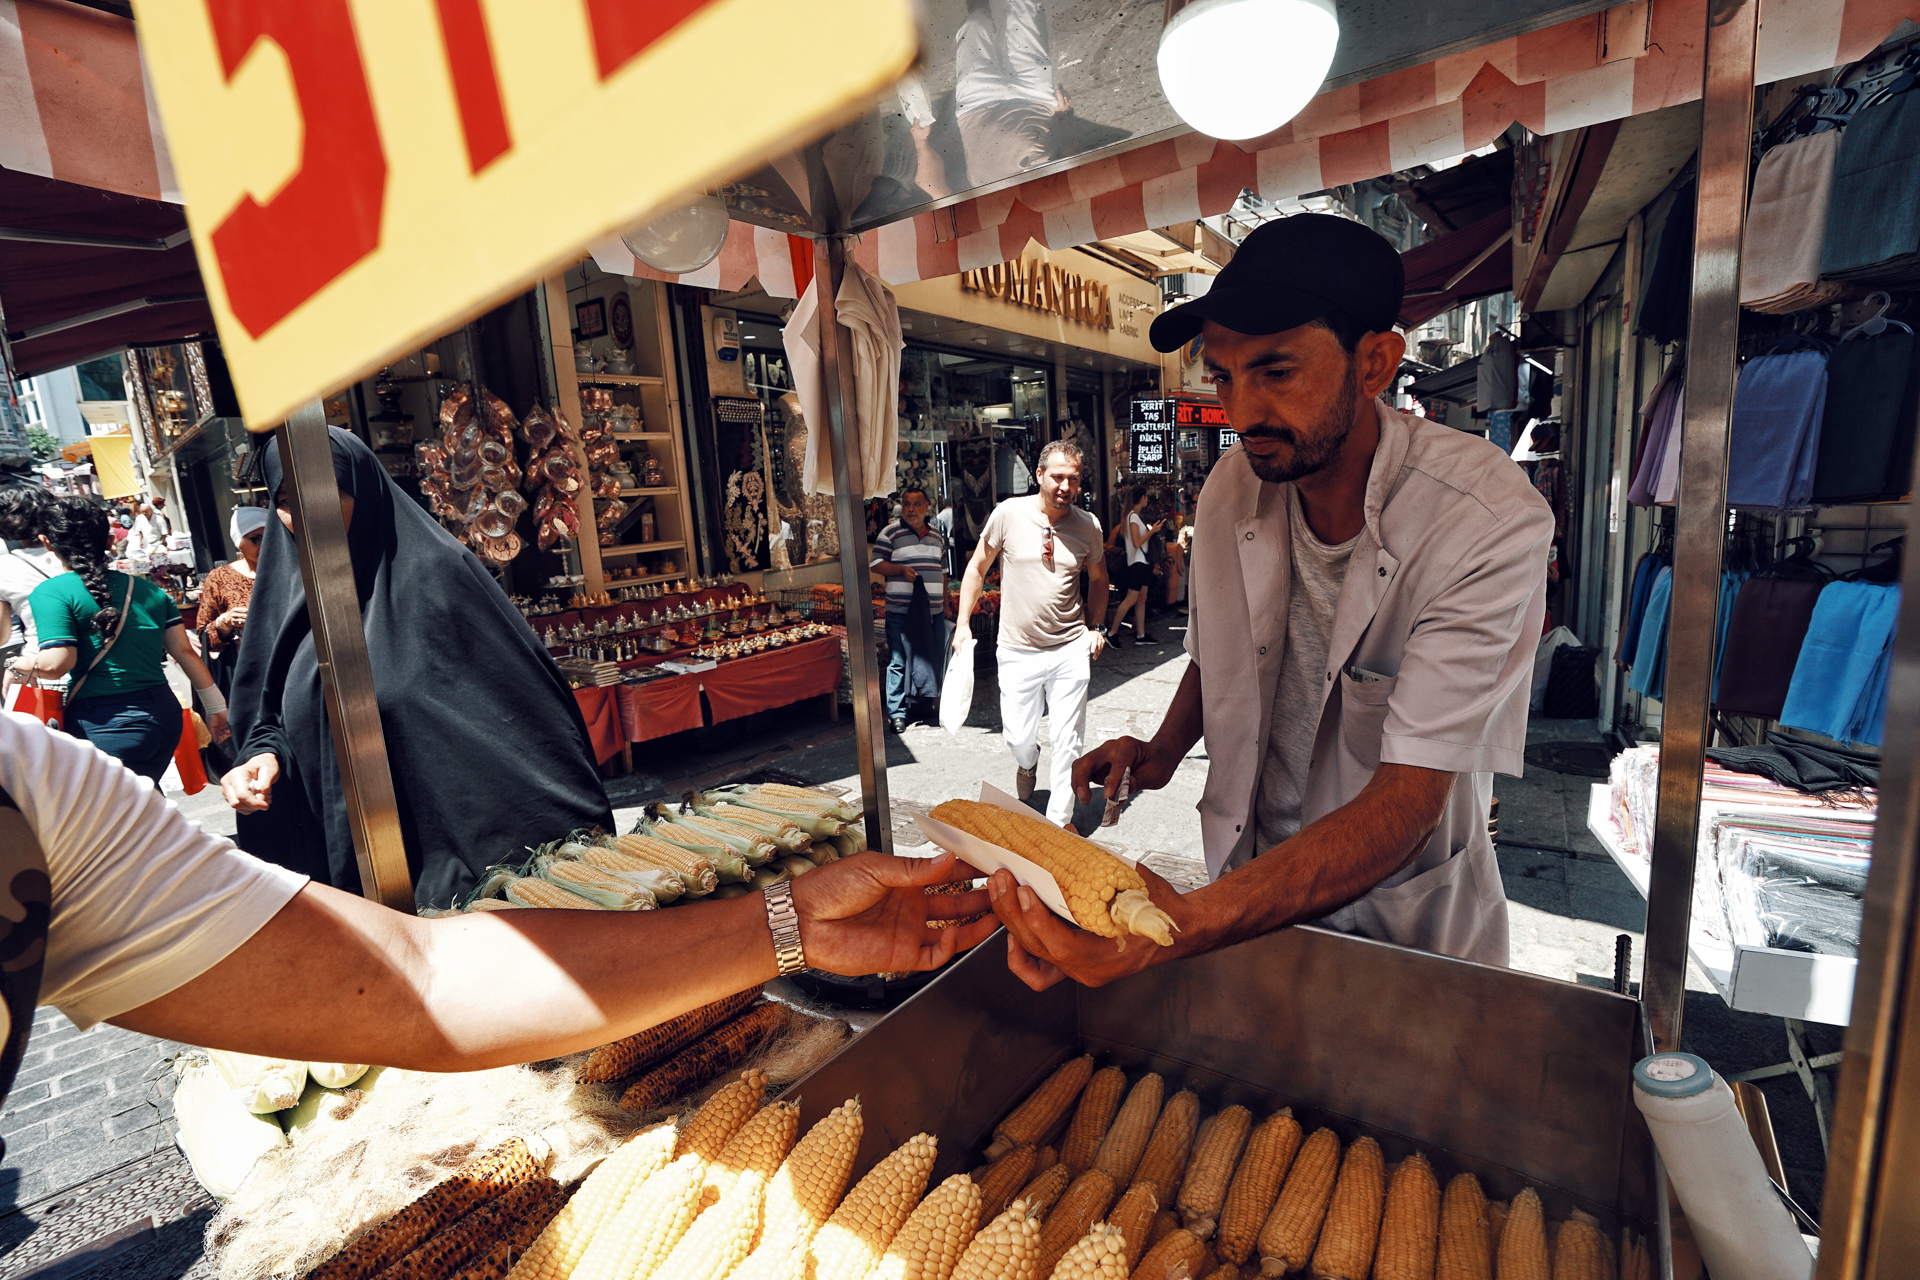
15 553
126 607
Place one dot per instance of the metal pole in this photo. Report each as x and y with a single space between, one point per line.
340 644
1726 129
849 494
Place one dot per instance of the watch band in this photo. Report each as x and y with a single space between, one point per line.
784 923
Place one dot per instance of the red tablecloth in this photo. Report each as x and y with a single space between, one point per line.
601 710
772 679
660 707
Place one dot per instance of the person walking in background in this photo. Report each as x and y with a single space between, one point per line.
1139 583
162 523
1183 544
225 594
912 556
113 633
1044 542
23 568
140 539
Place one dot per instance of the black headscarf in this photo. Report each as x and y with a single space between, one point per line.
488 751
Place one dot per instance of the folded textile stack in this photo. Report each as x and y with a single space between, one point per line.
1786 227
1873 221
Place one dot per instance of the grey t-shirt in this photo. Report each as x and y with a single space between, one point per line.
1040 598
1318 570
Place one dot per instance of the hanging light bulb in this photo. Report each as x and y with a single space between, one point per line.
682 237
1242 68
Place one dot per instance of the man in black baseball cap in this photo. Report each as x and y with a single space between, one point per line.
1366 591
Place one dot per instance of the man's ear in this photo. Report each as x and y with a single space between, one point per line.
1377 359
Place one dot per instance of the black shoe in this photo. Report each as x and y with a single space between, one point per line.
898 724
1144 638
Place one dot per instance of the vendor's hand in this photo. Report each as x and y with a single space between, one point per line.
868 914
217 726
1106 762
248 788
1042 948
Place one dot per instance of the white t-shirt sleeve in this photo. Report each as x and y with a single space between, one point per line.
144 901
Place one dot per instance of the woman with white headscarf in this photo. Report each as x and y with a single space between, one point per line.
225 594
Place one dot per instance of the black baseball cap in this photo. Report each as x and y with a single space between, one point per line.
1292 271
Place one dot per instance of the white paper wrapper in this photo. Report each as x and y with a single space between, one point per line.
990 858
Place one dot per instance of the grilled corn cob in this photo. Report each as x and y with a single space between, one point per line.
714 1054
721 1116
649 1048
495 1264
1002 1181
1133 1219
1286 1241
1029 1123
1410 1224
1256 1185
1466 1244
1523 1240
1006 1249
480 1179
445 1252
1048 1158
605 889
697 867
1107 895
1164 1163
1092 1118
1098 1255
758 1148
1581 1251
851 1242
1126 1141
558 1249
1046 1188
533 1223
928 1245
1225 1271
1083 1203
1352 1228
1181 1252
667 886
1216 1154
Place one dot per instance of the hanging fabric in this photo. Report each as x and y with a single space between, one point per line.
1873 214
1786 227
1667 289
1643 575
1661 414
1768 624
1866 434
1840 680
1731 583
1497 376
1649 674
866 306
1775 433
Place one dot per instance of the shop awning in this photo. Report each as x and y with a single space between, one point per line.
1456 382
1474 262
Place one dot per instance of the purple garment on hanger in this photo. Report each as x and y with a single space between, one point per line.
1663 419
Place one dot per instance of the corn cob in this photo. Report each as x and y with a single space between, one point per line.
721 1236
1030 1122
695 867
533 1223
1216 1153
1006 1249
532 891
480 1179
1225 1271
495 1264
782 830
1107 896
1048 1158
720 1117
605 889
1523 1240
1256 1185
787 791
851 1242
759 1147
657 1043
1165 1223
1046 1188
667 886
558 1249
1133 1218
1634 1263
808 1186
1286 1241
1581 1251
1092 1118
1180 1249
1084 1203
929 1243
635 1241
491 904
1496 1226
749 846
1126 1141
445 1252
1002 1180
715 1053
1410 1224
1352 1227
1164 1162
1100 1254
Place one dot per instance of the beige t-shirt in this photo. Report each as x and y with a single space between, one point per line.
1040 599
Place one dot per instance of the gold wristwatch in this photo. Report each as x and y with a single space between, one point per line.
784 923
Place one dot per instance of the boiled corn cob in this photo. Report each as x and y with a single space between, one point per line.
1181 1252
758 1148
1133 1218
1410 1223
1084 1203
1006 1249
696 867
667 886
1106 895
721 1236
1256 1185
443 1253
820 817
1523 1241
851 1242
558 1249
719 1051
1352 1228
1286 1241
532 891
1126 1141
721 1116
1464 1251
786 835
1098 1255
480 1179
1216 1154
657 1043
928 1245
750 844
1581 1251
1002 1180
810 1180
605 889
1164 1162
636 1240
1092 1118
1046 1188
1034 1119
491 904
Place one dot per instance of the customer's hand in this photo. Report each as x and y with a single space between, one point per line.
1106 762
869 913
232 620
248 788
1098 647
217 726
907 572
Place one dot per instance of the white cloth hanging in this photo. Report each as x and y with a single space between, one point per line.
866 308
801 337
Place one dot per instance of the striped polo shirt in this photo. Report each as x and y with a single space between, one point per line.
924 553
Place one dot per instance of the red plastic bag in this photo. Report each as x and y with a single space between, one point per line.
45 705
186 756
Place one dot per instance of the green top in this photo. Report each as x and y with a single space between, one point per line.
63 615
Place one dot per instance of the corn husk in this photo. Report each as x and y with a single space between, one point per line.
794 864
787 835
729 860
220 1137
665 886
770 874
607 890
335 1075
748 848
819 820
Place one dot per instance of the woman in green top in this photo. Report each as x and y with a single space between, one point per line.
114 633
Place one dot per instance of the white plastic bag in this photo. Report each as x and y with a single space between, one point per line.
956 690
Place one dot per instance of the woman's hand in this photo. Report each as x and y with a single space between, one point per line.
869 913
248 788
231 621
217 726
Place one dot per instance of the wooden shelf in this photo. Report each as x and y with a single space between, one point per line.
615 584
647 493
639 435
621 380
642 548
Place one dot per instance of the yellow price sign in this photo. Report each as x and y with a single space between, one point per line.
362 175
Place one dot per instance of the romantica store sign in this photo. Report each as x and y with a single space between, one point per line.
1044 287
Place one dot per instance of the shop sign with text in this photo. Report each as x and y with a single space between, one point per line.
1028 282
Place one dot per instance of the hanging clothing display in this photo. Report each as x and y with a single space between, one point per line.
1497 377
1649 674
1666 290
1730 584
1840 680
1769 623
1873 214
1643 575
1775 433
1787 225
1661 437
866 307
1866 433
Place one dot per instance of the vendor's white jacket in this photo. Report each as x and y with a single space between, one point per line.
1444 596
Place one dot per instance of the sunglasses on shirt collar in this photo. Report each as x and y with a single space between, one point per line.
1046 547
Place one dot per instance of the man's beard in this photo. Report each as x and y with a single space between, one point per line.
1331 431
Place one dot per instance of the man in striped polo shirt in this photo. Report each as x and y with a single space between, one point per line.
907 551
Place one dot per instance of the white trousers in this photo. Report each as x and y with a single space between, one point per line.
1053 680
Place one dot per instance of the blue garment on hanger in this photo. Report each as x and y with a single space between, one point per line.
1649 675
1643 576
1775 432
1730 584
1840 681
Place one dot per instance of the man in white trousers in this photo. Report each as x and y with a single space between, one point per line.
1044 542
